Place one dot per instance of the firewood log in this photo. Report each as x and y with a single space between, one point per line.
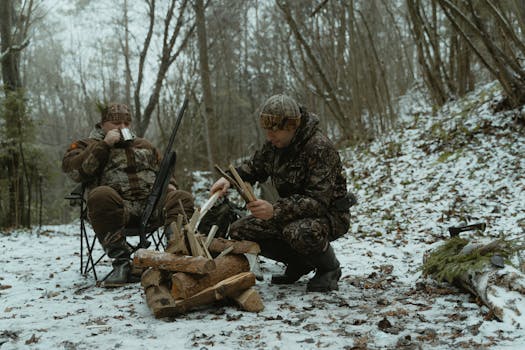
184 285
218 245
172 262
160 301
155 277
250 300
229 287
177 242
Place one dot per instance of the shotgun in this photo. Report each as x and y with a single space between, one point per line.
158 191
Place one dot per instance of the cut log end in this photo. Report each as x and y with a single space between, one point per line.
250 300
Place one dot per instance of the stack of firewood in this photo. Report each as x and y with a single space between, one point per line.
196 271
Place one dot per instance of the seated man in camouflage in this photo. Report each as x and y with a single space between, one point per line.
313 208
118 176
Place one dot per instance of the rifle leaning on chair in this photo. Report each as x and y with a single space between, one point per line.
158 191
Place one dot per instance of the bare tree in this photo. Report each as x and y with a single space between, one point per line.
175 35
425 32
332 100
503 63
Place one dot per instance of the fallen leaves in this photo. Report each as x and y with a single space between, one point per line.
33 340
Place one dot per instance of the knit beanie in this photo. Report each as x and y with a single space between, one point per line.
115 112
280 112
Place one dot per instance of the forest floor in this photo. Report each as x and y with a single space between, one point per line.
462 164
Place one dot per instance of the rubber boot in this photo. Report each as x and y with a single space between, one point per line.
296 265
120 251
294 271
328 272
120 275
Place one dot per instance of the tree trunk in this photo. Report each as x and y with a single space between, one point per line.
172 34
208 111
332 100
9 54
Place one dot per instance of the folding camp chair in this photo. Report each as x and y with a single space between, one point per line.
89 257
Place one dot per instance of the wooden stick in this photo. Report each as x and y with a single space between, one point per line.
200 240
196 249
183 211
241 183
211 235
233 182
177 242
250 190
193 220
225 252
180 217
207 206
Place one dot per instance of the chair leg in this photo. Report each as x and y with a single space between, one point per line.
86 264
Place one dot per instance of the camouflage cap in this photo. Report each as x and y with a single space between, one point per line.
115 112
280 112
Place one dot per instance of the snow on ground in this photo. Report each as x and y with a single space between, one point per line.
461 165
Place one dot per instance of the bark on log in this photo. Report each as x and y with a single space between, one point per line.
177 242
250 300
154 277
501 290
160 301
229 287
184 285
172 262
217 245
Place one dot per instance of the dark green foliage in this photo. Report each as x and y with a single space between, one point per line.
20 172
447 264
102 107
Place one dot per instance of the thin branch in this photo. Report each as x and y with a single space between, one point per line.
318 8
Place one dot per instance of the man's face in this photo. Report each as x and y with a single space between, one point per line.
110 125
280 138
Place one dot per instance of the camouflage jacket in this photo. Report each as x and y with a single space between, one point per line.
129 169
307 174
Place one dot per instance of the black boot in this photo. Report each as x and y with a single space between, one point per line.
327 272
294 271
120 275
296 264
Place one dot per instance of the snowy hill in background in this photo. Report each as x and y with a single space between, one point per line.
460 165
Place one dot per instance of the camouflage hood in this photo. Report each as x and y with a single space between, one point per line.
308 127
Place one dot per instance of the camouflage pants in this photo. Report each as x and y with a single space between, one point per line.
108 214
307 236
